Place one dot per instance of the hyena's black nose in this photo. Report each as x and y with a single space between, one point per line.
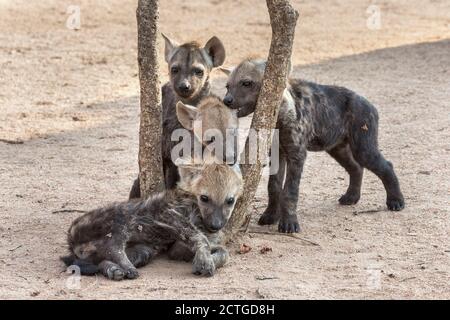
216 225
184 87
228 100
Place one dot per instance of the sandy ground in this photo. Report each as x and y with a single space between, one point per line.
71 97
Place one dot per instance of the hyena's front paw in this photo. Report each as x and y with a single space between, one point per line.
349 198
395 204
220 256
288 224
270 216
131 273
114 272
203 264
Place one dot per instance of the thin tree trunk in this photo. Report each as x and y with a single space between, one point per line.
283 19
150 164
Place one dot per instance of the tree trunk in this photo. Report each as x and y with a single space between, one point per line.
283 19
150 164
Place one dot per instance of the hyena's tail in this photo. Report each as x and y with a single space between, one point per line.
86 268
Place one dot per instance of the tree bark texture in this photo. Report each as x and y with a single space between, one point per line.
283 19
150 162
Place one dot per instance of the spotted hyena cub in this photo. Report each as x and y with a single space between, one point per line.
117 239
212 125
314 117
189 65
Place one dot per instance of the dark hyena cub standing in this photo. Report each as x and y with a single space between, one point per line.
189 67
117 239
316 118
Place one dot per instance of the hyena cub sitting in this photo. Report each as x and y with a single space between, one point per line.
316 118
211 125
189 67
117 239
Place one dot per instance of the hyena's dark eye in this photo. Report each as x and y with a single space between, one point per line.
230 201
247 83
174 70
198 72
204 198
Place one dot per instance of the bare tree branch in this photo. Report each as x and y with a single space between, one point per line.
150 164
283 19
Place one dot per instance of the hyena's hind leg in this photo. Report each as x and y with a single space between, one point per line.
181 252
135 192
343 155
87 268
140 254
114 248
272 213
364 146
171 175
118 256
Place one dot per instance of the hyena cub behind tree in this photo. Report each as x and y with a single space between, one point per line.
314 117
211 125
189 65
117 239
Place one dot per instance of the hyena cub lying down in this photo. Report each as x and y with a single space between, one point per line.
117 239
314 117
189 67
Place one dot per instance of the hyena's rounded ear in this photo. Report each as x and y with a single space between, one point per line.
186 114
188 171
237 169
216 51
169 47
226 70
260 65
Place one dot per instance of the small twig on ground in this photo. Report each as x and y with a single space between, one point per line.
290 235
266 278
11 141
68 211
406 279
14 249
368 211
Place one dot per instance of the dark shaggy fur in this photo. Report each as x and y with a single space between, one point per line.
315 117
117 239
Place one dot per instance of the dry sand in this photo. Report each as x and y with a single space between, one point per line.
71 97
